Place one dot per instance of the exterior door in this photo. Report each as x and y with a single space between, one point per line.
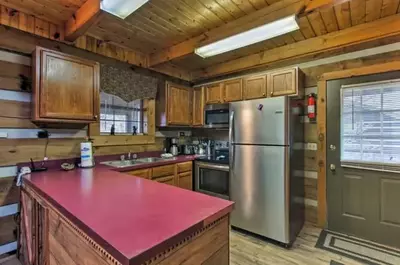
363 157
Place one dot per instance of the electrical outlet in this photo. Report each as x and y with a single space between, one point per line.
311 146
181 134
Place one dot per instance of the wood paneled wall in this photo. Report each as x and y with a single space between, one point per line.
22 144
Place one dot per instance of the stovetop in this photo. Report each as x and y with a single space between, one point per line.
220 157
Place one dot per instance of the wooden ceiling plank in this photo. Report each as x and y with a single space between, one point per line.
259 4
245 6
288 38
357 11
85 17
297 35
389 7
329 18
306 28
372 10
205 12
170 19
343 15
185 13
379 29
191 13
232 8
38 10
195 26
279 41
260 17
317 23
145 16
217 9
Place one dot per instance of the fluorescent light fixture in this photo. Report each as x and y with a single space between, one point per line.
261 33
121 8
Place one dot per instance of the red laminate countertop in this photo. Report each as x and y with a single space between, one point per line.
132 218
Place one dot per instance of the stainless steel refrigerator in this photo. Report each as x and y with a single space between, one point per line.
266 162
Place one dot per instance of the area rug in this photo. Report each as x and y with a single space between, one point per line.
361 250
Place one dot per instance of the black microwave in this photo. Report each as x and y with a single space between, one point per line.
216 116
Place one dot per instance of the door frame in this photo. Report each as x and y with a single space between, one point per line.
321 124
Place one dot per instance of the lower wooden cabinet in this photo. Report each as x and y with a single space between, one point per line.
170 180
185 180
141 173
180 174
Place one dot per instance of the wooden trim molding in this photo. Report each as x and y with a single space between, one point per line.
321 123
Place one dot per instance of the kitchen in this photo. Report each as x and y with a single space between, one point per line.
240 102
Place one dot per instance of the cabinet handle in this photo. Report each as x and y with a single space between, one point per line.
272 93
95 116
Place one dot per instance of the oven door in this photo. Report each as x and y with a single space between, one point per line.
212 179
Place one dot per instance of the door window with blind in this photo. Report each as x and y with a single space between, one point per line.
121 116
370 125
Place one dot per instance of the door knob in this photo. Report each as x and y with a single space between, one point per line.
332 167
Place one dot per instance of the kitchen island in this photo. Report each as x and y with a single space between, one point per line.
100 216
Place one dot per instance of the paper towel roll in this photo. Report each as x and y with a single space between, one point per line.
86 154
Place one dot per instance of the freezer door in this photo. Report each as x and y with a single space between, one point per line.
260 121
259 187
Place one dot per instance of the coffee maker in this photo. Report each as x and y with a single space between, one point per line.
173 148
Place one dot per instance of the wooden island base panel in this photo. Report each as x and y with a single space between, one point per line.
49 238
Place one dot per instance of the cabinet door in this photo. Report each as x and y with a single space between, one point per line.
198 106
255 87
214 93
66 87
179 108
185 180
170 180
233 90
282 83
141 173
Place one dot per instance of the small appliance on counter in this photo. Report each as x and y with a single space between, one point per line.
174 150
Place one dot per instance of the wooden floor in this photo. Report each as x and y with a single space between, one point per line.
248 250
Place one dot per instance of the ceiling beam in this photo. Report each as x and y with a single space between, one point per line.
321 4
363 33
260 17
85 17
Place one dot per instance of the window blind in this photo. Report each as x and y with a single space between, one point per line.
370 126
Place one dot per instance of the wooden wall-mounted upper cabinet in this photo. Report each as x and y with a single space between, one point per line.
214 93
232 90
255 87
285 82
65 88
179 104
198 106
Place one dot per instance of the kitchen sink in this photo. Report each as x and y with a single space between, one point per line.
139 161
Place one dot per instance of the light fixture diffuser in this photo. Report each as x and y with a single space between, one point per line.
258 34
121 8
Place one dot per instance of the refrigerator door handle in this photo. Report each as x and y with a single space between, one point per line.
231 138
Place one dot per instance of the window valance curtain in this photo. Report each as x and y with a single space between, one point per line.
127 84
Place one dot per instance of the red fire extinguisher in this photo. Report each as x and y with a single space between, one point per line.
311 106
